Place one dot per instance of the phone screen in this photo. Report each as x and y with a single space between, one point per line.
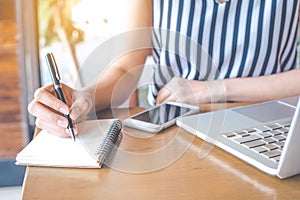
162 114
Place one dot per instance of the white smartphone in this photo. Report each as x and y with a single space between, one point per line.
159 117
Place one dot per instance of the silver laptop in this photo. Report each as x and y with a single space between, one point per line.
265 135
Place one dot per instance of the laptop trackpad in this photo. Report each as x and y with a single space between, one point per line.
266 112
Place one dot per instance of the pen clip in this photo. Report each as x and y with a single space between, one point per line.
53 68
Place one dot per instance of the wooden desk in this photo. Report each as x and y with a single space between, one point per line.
176 172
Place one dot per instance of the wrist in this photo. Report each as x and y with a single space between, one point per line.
245 89
217 91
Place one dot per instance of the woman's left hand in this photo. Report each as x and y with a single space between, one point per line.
191 91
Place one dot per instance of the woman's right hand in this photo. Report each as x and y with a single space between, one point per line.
48 109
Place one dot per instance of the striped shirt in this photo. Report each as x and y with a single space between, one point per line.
207 40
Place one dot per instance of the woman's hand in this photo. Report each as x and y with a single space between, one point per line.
48 109
191 91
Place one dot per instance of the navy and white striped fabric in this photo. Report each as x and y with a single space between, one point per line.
206 40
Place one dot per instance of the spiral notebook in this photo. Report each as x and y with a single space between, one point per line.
95 145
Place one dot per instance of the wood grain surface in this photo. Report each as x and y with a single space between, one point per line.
196 170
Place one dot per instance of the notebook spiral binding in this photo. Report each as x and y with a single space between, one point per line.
110 144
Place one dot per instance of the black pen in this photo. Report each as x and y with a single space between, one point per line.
57 86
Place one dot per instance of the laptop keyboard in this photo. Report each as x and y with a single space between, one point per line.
267 140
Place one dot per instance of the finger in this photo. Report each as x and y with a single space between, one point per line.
44 96
50 88
45 114
164 95
170 98
80 107
52 128
55 130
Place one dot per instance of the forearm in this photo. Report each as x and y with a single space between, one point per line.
118 81
264 87
112 88
103 89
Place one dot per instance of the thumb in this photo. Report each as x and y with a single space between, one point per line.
81 106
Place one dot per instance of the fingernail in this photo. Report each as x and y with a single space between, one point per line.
62 123
63 111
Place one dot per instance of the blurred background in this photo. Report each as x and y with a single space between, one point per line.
71 29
